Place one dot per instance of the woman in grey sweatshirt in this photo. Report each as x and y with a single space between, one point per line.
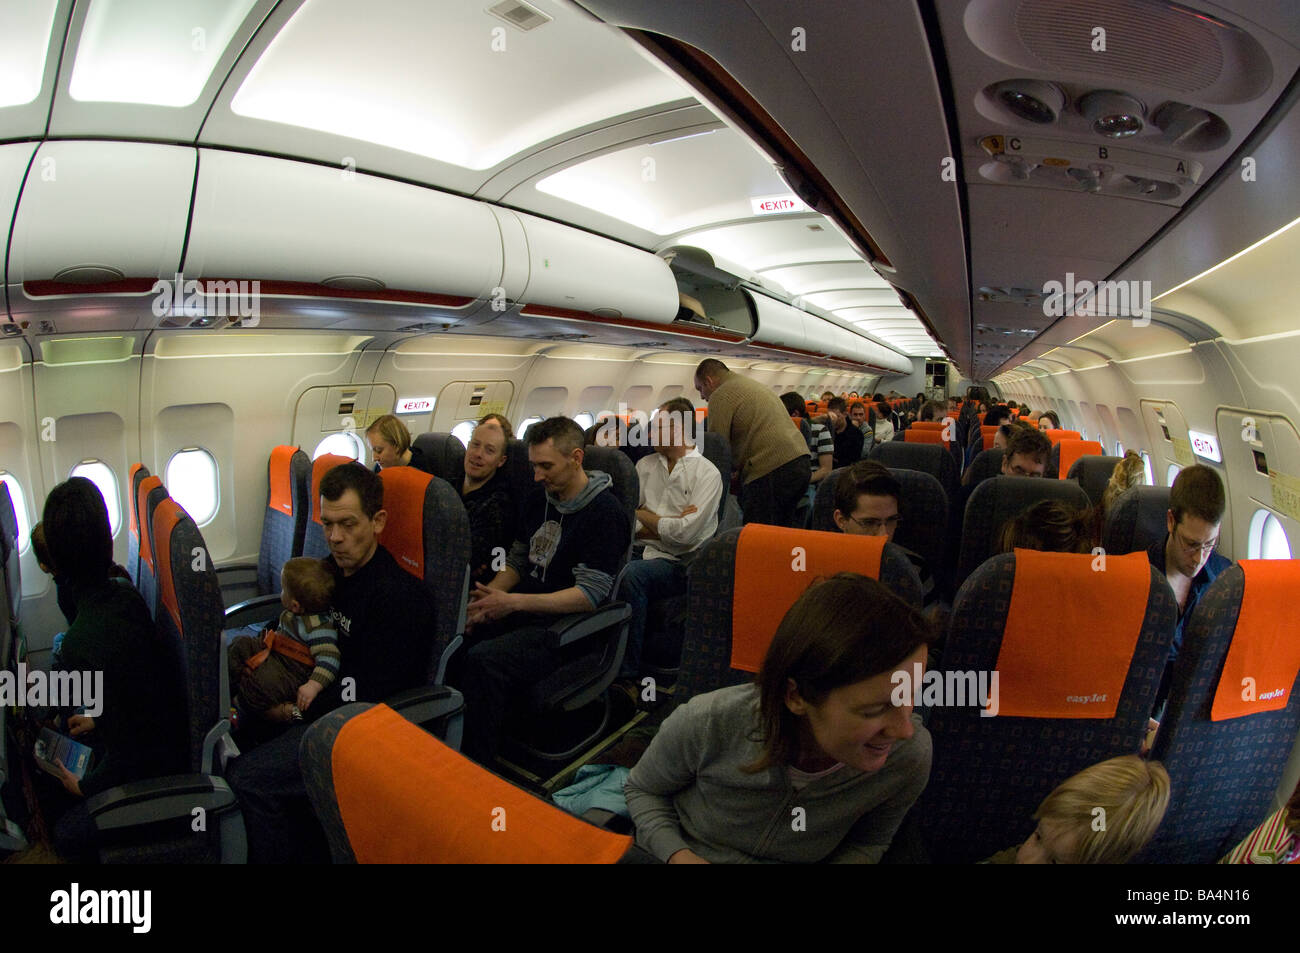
811 763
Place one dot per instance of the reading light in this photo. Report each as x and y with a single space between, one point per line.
1113 115
1030 99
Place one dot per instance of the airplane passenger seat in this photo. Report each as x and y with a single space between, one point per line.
1136 519
149 495
1075 685
1064 453
1092 473
446 456
987 463
388 793
284 526
1233 712
994 502
742 584
189 622
135 476
926 458
427 533
313 542
11 835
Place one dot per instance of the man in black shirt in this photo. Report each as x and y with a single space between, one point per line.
385 622
486 496
570 548
848 439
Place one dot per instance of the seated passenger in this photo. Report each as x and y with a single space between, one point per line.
1026 453
569 550
676 515
385 619
1186 555
821 449
1275 841
867 499
1050 526
827 395
859 418
1133 793
390 442
848 439
1048 420
486 495
140 730
884 423
932 410
817 730
1128 472
279 675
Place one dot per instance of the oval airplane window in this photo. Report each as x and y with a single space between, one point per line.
528 422
346 444
1147 470
98 473
1268 537
192 482
463 430
1173 471
1119 449
20 509
584 420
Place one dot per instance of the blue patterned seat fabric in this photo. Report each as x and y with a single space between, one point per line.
283 533
1136 519
922 510
990 774
706 650
927 457
994 502
1222 773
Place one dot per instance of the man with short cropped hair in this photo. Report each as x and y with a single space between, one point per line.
565 559
486 495
848 440
1186 555
859 417
1026 453
385 620
867 502
770 455
676 515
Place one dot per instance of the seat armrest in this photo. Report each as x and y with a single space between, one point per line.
142 803
581 625
608 820
252 611
242 567
427 704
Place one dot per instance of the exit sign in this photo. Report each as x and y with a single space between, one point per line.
774 204
1205 446
414 405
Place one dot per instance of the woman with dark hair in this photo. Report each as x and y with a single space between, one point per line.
813 761
1051 526
138 725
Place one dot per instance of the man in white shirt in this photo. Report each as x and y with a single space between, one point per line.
677 513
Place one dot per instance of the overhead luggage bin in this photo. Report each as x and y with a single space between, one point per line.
779 324
570 270
97 223
304 229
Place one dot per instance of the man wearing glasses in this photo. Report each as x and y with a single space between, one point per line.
866 504
1186 555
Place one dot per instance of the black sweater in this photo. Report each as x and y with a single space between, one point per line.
384 617
141 732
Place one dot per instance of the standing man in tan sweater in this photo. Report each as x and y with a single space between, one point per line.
770 455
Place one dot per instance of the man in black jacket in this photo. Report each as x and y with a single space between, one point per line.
385 622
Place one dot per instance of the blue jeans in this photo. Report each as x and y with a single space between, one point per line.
645 581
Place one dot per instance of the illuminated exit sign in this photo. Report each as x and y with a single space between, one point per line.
1205 446
414 405
773 204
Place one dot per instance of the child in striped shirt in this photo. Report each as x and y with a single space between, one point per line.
280 673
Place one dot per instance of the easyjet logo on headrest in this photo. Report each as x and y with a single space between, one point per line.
410 562
1275 693
1085 699
286 507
